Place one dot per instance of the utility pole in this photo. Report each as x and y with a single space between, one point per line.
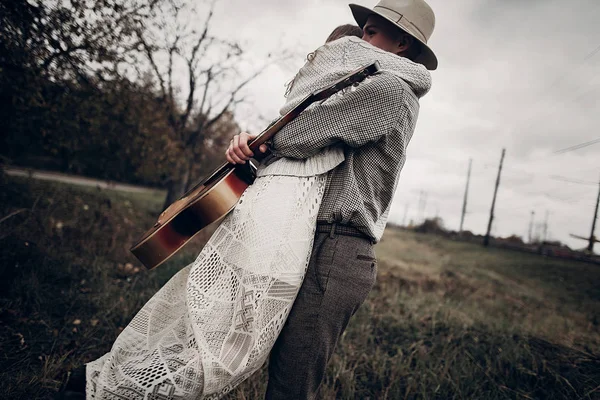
464 207
531 226
592 237
405 214
420 214
546 226
486 240
422 204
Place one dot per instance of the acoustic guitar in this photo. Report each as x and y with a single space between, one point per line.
215 196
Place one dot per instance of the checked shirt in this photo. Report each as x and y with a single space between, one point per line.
374 123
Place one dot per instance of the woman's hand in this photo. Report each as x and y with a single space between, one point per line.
238 151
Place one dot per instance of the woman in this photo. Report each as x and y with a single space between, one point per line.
214 323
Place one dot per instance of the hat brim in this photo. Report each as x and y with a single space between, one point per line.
427 57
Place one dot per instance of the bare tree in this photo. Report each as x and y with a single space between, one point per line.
199 77
70 40
60 67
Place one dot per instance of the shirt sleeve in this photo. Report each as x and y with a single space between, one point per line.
358 117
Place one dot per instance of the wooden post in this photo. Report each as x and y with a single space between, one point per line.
529 240
422 205
546 226
486 240
464 207
592 237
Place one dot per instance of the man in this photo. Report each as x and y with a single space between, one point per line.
374 124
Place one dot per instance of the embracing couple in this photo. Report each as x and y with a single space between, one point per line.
285 271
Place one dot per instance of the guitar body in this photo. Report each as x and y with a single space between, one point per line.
217 195
208 202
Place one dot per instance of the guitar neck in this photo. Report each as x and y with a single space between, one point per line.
353 78
275 127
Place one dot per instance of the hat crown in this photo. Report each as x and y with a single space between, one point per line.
415 17
415 14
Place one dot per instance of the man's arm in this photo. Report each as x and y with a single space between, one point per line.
357 118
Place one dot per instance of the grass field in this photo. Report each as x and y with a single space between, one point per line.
446 320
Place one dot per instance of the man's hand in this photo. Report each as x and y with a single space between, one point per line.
238 151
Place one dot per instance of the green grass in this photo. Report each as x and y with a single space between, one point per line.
446 320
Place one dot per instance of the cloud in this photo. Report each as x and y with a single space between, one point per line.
513 74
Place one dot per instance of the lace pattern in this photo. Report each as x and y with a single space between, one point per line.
214 323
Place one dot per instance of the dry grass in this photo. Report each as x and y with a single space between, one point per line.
446 320
451 320
66 290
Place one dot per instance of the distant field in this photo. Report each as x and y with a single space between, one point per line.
446 320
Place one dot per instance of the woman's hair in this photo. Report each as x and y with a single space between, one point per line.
339 32
345 30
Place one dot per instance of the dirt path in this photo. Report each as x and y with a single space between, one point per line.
77 180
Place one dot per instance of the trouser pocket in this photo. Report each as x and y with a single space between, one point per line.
353 272
324 261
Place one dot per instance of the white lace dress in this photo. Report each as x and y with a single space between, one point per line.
214 323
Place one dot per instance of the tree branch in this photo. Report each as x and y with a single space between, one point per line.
209 77
191 67
148 51
172 50
100 34
234 93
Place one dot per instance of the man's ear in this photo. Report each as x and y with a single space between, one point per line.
404 43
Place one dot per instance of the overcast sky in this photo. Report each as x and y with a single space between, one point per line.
523 75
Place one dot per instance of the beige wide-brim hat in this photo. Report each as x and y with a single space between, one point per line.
415 17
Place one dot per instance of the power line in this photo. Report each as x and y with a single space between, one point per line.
530 121
571 180
563 76
577 146
565 100
531 175
591 54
